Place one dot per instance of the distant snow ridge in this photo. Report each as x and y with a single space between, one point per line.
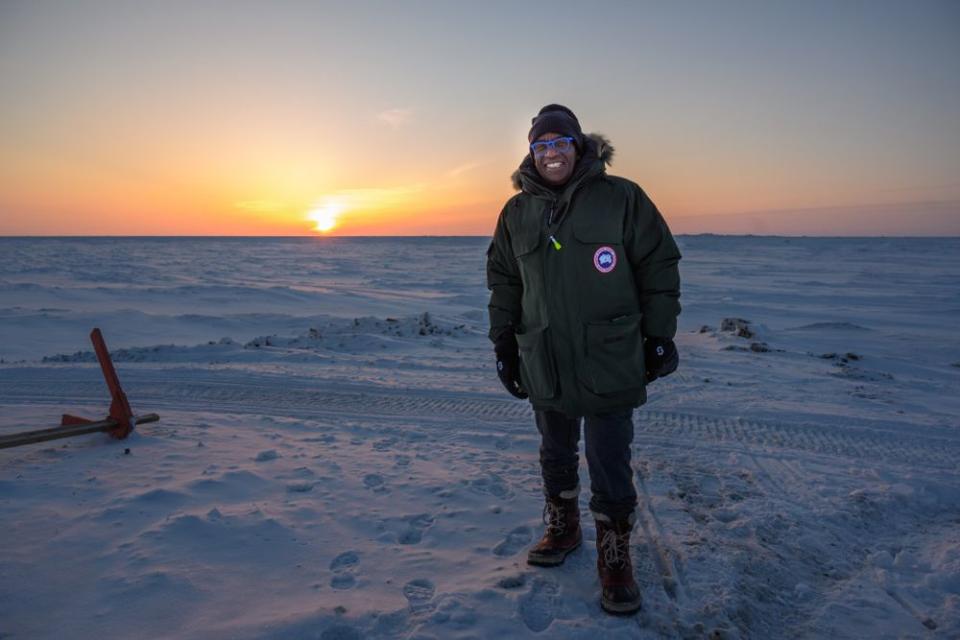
340 332
335 334
833 326
160 352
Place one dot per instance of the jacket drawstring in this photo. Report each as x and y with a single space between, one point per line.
551 211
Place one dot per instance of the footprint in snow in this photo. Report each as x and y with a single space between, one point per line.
416 525
342 567
516 540
342 581
512 582
538 607
266 456
341 632
492 484
374 482
386 444
419 593
300 487
344 561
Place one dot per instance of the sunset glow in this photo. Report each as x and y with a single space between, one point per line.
320 131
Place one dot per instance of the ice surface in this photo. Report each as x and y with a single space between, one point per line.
336 458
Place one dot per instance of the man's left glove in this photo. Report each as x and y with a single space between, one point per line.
508 364
660 357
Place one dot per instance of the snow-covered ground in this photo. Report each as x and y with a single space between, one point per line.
336 459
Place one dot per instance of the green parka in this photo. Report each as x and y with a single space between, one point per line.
582 274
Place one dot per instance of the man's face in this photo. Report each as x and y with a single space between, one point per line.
553 165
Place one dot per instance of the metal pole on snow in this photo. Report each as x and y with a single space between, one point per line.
118 423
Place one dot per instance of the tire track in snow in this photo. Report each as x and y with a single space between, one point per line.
910 448
187 389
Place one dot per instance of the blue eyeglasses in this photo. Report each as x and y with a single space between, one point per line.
558 144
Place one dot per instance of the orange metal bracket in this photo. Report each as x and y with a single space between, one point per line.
119 423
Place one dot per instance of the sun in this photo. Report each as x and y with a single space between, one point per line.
325 217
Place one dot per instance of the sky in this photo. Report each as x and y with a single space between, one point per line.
407 118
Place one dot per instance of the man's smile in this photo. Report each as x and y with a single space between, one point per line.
556 164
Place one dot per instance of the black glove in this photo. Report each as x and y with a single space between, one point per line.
508 364
660 357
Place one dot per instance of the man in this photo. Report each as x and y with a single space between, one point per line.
584 299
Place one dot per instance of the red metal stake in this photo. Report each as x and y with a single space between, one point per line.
119 406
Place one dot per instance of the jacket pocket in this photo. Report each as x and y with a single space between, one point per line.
614 355
525 242
529 261
536 365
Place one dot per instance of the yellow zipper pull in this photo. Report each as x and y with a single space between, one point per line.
556 245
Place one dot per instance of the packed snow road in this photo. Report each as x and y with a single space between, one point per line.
237 392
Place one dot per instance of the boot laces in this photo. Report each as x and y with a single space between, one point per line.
553 518
615 548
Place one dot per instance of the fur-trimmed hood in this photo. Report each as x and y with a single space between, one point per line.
596 145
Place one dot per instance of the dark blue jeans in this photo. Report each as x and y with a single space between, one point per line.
607 440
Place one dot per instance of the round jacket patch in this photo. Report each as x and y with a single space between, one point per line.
605 259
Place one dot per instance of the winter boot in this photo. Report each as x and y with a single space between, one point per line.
619 593
561 515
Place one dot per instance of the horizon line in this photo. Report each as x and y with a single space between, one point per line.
322 237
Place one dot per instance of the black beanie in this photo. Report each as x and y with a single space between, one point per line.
556 118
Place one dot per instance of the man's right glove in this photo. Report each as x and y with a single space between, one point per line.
660 357
508 364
